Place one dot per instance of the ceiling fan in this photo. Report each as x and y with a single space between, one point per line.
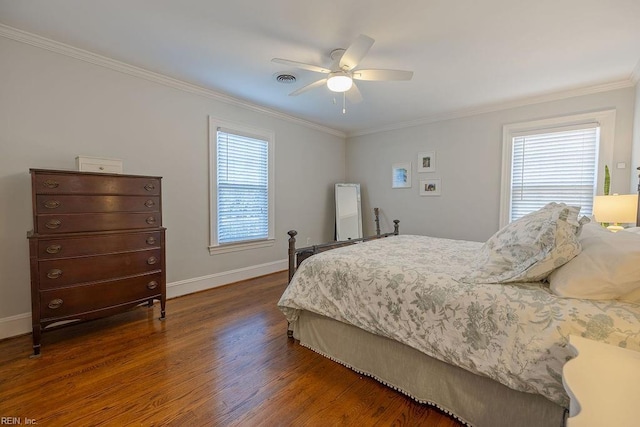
342 73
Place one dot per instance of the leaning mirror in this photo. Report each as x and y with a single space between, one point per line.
348 213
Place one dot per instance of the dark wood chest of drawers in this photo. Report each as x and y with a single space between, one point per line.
97 247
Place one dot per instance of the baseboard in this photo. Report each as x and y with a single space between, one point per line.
20 324
12 326
197 284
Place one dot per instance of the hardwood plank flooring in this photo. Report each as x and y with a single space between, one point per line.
222 358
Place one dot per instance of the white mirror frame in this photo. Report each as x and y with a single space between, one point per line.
348 212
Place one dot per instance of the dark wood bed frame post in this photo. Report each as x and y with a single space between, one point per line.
292 252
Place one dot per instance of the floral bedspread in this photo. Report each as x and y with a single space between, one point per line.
406 288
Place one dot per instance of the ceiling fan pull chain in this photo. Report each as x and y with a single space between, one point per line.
344 103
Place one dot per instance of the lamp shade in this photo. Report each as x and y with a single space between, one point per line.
621 209
339 82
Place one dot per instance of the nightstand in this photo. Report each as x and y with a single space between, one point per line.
603 382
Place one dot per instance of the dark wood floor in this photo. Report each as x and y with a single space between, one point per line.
221 358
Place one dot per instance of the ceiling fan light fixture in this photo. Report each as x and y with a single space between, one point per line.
339 81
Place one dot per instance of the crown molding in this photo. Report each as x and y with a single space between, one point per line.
490 108
103 61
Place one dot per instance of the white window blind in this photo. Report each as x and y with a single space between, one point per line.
558 166
242 183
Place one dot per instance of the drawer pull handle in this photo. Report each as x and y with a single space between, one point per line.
152 285
53 249
151 240
50 183
150 187
151 220
52 204
52 224
149 203
54 274
55 303
152 260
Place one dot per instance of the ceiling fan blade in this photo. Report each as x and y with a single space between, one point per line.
313 85
382 75
302 65
354 53
353 95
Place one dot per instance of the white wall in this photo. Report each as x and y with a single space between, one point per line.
54 107
469 155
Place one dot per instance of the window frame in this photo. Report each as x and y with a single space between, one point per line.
215 247
605 119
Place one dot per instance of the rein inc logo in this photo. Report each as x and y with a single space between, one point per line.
16 421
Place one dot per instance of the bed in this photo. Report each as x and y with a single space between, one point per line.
403 310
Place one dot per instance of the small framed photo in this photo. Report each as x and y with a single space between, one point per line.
401 175
430 187
427 161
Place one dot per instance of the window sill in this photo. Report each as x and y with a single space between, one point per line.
235 247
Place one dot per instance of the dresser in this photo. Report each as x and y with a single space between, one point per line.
97 247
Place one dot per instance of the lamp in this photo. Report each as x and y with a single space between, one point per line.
339 81
616 209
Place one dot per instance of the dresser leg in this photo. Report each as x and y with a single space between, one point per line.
163 302
37 330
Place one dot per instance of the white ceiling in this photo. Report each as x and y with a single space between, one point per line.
465 54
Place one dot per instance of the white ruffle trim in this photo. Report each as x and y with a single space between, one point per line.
425 402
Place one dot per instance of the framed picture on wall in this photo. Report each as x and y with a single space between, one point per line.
430 187
401 175
427 161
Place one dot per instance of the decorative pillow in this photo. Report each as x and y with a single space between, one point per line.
528 249
607 268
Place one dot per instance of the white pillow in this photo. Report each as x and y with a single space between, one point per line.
608 267
529 248
632 230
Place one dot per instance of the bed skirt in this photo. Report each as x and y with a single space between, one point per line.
472 399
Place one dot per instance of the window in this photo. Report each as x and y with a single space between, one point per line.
241 187
557 166
556 160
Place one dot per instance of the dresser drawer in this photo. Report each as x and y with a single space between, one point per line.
85 298
56 273
64 203
51 183
97 244
72 223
